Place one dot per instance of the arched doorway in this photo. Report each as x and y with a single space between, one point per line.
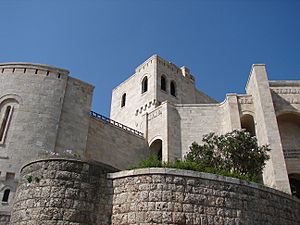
294 179
247 123
156 148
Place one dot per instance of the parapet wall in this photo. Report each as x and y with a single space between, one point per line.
30 68
75 192
171 196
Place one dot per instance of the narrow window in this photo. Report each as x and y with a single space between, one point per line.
123 102
5 195
163 83
173 89
4 123
144 84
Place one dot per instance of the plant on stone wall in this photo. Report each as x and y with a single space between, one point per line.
29 179
236 151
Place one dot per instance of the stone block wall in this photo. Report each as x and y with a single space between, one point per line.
4 218
114 146
59 191
75 192
170 196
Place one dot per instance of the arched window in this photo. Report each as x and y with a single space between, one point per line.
145 84
247 123
123 102
156 148
6 195
163 83
173 88
4 123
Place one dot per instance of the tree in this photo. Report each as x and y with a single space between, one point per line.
236 151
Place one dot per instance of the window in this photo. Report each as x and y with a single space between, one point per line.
145 84
173 88
123 101
6 195
4 123
163 83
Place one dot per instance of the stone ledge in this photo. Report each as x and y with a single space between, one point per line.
196 174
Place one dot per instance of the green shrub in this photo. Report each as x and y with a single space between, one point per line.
236 151
153 161
235 154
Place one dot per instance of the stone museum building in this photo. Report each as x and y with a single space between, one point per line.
158 109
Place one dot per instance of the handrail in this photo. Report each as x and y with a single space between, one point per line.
115 123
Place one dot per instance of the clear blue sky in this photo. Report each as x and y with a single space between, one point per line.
102 41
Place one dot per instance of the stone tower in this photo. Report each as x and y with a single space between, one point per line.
39 112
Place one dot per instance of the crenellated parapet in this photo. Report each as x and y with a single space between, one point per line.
171 67
30 68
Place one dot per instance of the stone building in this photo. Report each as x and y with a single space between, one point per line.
156 110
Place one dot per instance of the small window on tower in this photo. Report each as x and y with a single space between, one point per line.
5 195
123 101
145 84
163 83
173 88
5 121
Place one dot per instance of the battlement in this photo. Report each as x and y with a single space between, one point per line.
184 71
30 68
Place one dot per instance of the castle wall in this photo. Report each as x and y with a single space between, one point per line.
74 120
114 146
76 192
196 121
4 218
171 196
267 132
63 191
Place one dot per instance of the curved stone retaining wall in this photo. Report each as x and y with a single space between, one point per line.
73 192
65 192
170 196
4 218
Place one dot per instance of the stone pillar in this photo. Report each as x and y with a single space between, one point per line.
232 111
275 173
59 191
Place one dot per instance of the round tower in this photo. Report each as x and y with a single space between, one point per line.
31 98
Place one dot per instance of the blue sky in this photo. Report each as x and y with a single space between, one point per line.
102 41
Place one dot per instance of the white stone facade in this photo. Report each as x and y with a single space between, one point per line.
158 109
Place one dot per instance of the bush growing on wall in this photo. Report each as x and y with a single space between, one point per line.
236 151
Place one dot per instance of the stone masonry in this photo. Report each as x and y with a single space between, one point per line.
68 191
57 191
157 110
